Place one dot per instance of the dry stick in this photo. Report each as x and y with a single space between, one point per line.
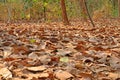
89 14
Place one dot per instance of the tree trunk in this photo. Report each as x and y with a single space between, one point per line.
83 9
87 11
64 13
8 6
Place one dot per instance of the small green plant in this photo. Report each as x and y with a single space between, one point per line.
64 59
32 41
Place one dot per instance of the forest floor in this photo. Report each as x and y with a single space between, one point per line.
52 51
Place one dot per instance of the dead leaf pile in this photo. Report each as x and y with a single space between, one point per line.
52 51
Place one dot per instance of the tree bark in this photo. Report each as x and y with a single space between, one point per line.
83 9
64 13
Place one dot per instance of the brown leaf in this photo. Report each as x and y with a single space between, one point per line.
20 49
79 65
9 59
80 47
63 75
86 76
36 69
6 74
114 76
7 43
56 59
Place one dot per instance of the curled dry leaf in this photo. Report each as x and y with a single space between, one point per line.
93 39
114 76
86 76
79 65
7 51
42 75
63 75
36 69
8 43
33 56
19 73
80 47
43 45
37 76
1 54
45 59
55 59
6 74
20 49
63 52
115 62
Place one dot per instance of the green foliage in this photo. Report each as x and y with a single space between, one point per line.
32 40
115 12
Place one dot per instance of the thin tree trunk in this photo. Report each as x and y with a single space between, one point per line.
8 9
64 13
83 10
89 14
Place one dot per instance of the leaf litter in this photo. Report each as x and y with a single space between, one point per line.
52 51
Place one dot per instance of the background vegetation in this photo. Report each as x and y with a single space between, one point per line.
50 10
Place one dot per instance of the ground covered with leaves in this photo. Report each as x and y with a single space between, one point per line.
52 51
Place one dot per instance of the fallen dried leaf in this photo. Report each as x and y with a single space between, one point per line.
6 74
86 76
114 76
36 69
63 75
